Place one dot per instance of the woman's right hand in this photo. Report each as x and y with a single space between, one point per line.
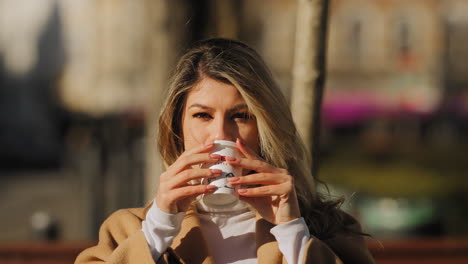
175 193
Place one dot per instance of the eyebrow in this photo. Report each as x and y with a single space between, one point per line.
233 109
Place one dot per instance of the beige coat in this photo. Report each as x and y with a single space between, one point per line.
122 241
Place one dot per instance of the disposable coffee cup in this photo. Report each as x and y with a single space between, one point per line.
226 194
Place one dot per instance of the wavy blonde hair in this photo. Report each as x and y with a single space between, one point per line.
237 64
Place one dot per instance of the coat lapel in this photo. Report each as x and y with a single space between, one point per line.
189 244
267 246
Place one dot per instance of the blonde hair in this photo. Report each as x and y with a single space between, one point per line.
237 64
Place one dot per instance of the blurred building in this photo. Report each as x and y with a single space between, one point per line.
395 110
397 54
76 81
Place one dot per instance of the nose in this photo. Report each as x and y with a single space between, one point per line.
223 130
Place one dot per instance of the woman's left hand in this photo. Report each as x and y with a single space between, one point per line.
275 197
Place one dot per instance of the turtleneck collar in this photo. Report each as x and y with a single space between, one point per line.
238 207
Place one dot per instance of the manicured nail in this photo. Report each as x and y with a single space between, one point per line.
234 179
215 156
231 158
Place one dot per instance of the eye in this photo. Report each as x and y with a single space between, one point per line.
202 115
242 116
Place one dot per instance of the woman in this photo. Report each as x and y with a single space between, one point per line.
222 90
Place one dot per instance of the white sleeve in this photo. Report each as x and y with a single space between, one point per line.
292 238
160 228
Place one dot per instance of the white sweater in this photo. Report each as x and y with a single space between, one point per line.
230 234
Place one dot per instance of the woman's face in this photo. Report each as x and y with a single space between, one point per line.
216 111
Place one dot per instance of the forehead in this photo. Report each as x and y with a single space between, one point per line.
211 91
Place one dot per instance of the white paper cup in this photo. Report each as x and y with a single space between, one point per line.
226 194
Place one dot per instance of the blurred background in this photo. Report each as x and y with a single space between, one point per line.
81 82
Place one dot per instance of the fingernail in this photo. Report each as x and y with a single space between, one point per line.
215 156
242 191
216 171
234 179
240 141
209 145
231 158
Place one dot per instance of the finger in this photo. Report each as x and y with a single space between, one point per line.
185 176
176 166
186 161
260 178
244 149
266 190
198 149
253 164
189 191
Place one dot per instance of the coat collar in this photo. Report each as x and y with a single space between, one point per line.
191 247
